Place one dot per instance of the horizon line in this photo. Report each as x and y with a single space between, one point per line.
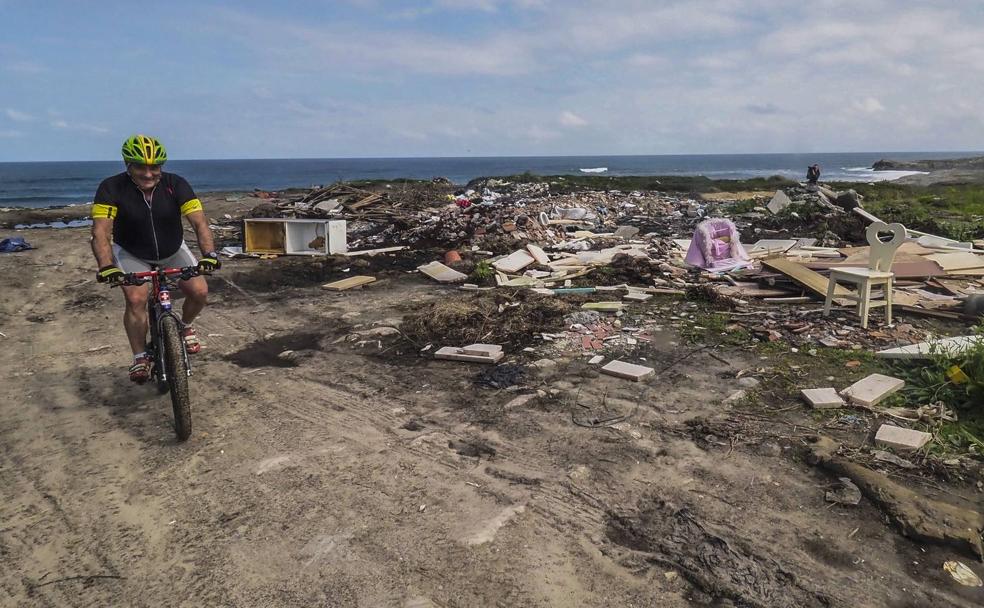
513 156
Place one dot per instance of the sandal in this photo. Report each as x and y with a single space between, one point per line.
140 370
192 345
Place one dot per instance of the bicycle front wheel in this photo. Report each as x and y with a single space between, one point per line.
177 376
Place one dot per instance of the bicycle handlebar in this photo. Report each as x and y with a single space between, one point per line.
139 278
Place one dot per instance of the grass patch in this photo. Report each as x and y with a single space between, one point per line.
954 211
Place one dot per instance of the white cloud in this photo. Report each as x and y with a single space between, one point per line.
17 115
86 128
570 119
869 105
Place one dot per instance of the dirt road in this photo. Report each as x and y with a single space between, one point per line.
356 476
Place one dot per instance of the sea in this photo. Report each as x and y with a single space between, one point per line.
47 184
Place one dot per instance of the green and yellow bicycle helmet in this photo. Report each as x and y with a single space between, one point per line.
144 150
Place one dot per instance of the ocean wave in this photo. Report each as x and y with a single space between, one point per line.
594 170
867 174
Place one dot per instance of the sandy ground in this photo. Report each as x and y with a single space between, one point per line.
363 477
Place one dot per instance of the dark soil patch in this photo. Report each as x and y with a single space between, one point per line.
501 376
266 353
497 318
720 567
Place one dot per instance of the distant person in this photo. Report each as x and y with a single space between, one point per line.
136 222
813 174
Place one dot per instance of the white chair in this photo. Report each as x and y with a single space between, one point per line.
878 273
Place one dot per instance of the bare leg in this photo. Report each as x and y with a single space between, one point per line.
135 316
196 295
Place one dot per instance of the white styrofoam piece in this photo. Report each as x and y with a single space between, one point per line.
926 350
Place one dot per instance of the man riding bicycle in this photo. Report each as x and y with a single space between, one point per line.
136 223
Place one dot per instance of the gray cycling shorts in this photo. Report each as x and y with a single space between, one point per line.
131 263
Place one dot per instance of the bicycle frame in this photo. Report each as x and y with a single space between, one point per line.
158 307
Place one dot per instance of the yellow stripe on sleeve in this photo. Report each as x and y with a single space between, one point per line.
191 206
103 211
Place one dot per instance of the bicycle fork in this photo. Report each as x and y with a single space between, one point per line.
163 305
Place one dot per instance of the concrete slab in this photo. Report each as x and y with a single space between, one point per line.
538 254
626 232
629 371
901 439
779 202
872 390
441 273
456 354
482 350
927 350
514 262
822 398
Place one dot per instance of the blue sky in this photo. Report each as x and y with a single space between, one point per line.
489 77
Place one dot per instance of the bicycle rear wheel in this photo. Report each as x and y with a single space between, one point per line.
177 376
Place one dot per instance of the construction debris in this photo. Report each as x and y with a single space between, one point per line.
441 273
891 436
945 347
463 354
822 398
349 283
872 390
629 371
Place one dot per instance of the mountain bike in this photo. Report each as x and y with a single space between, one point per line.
171 368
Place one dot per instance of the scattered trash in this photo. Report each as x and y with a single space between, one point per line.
14 244
891 436
846 494
962 574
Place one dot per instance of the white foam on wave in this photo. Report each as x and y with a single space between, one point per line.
594 170
867 174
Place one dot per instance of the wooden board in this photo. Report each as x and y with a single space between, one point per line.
920 268
751 290
813 281
958 261
372 252
349 283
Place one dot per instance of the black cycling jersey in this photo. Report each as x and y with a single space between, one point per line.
150 231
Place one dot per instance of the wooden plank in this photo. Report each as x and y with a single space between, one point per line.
939 314
371 252
349 283
813 281
958 261
914 269
751 290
